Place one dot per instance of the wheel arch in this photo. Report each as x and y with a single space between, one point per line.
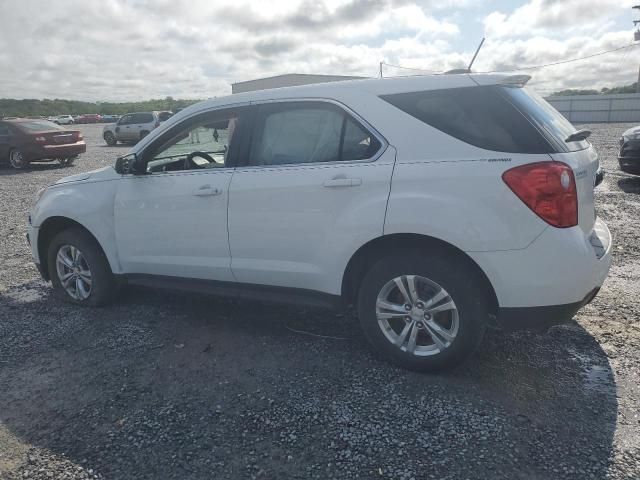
49 229
378 247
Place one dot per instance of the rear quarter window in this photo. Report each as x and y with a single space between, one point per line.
480 116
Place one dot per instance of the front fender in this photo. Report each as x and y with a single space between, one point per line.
89 204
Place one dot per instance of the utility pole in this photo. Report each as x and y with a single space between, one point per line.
636 37
381 69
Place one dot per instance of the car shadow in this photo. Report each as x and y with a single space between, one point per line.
117 145
164 385
630 184
7 170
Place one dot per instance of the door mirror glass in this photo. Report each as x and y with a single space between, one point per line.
127 164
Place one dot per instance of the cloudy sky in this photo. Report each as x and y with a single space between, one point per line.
137 49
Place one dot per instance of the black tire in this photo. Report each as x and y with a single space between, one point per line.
103 283
17 160
66 162
110 139
450 272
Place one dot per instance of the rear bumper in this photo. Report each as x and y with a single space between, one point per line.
35 153
547 282
540 318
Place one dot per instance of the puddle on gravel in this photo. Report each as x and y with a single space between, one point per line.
595 376
23 295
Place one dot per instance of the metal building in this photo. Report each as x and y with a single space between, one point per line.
610 108
288 80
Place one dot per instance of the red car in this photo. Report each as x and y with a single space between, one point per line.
89 118
23 141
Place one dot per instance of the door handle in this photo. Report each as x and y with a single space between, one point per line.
207 191
342 182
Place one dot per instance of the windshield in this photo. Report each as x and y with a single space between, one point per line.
551 122
38 126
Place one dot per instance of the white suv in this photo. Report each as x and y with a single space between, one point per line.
436 206
62 119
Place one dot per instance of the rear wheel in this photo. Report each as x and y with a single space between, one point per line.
17 160
110 138
67 161
423 312
79 269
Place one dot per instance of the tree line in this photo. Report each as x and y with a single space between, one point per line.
633 88
50 107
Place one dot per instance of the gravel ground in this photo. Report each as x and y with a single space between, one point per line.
177 386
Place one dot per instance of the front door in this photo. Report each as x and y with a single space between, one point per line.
314 189
172 221
123 128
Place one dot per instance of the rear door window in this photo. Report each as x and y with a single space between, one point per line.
308 132
480 116
142 118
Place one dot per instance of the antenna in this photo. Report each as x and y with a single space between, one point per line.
478 50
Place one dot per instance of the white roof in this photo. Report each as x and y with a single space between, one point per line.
343 90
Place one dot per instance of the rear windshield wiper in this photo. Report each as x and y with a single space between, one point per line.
579 135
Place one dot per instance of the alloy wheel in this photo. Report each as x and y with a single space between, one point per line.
417 315
73 272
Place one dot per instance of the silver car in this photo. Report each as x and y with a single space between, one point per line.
131 127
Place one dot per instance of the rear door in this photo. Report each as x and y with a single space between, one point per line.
123 128
313 188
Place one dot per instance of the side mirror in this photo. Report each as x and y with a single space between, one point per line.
127 165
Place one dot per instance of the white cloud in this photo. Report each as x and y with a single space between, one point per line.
135 49
553 17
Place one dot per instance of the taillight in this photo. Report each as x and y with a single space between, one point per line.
41 139
547 188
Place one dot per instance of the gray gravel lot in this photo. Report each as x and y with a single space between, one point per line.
175 386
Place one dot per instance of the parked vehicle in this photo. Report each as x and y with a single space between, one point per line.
131 127
164 115
89 118
23 141
61 119
110 118
629 155
436 206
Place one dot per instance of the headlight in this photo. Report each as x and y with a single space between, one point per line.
39 194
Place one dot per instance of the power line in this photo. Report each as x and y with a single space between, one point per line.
532 67
535 67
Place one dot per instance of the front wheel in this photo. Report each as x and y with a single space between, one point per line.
422 311
79 270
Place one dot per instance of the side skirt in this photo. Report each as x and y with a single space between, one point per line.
263 293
